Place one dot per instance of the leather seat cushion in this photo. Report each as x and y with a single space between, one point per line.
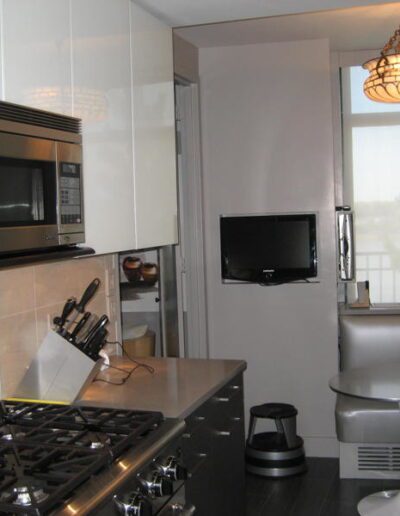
365 421
366 340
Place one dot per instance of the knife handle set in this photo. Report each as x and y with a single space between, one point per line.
83 329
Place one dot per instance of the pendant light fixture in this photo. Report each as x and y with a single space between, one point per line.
383 82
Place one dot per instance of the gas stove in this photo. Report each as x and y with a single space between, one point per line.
77 460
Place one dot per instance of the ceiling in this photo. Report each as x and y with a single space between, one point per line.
351 29
178 13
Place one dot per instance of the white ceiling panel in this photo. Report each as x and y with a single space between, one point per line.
179 13
358 28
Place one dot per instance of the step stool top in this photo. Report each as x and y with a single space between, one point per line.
273 411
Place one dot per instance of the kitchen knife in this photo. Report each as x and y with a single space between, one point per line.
86 297
60 321
101 323
96 344
79 326
84 332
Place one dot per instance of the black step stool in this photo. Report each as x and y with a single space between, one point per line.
275 454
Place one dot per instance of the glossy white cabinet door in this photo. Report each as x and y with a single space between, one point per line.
37 54
154 156
102 98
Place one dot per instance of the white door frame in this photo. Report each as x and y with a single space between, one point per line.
190 252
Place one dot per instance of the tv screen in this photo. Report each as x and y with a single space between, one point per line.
268 248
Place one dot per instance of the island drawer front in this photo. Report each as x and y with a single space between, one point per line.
214 453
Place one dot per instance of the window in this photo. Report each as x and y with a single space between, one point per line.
371 161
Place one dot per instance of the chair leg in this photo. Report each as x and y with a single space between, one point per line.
289 429
252 427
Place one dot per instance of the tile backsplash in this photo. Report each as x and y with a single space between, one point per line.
31 296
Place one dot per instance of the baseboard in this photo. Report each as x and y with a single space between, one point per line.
321 446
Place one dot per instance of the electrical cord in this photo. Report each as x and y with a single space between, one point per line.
138 365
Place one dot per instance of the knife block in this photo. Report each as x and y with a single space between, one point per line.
59 372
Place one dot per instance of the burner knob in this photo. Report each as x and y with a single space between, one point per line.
173 469
135 505
159 485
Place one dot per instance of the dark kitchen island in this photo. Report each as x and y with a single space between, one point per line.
208 394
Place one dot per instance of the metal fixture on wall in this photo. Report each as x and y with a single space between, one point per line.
383 82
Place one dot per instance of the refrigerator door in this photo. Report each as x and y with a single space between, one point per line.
346 253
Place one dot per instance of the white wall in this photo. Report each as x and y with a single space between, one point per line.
267 144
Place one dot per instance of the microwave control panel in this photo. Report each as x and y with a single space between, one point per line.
70 193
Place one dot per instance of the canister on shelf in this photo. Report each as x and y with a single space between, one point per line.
142 346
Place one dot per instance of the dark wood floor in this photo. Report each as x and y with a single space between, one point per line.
319 492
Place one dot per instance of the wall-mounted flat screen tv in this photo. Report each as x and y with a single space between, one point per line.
268 248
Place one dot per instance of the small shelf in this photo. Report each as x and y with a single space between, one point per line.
134 288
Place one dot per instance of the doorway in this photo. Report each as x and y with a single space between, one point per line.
190 250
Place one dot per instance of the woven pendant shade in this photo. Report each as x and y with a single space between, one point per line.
383 82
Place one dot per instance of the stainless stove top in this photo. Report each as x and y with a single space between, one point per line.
68 460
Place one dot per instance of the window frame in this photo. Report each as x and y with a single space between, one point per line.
343 188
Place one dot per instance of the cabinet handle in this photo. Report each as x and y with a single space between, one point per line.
234 387
236 419
200 418
186 510
187 435
221 400
223 433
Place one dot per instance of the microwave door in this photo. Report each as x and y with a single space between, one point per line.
37 195
28 218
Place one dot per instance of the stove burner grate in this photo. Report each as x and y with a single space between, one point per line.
47 451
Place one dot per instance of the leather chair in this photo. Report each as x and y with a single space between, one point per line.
368 431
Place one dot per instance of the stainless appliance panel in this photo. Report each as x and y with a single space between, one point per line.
31 237
41 194
70 154
95 496
27 148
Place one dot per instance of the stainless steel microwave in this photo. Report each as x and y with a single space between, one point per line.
41 187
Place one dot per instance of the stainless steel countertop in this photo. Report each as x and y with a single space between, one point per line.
177 387
378 382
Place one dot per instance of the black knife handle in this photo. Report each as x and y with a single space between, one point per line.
68 308
80 325
88 294
96 328
96 344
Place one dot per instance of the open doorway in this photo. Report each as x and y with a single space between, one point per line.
190 251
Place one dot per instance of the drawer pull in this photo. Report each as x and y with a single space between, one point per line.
178 508
223 433
234 387
187 435
221 399
200 418
236 419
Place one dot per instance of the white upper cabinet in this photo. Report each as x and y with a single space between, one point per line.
37 54
102 98
154 155
108 62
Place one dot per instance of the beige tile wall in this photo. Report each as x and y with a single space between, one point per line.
31 296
